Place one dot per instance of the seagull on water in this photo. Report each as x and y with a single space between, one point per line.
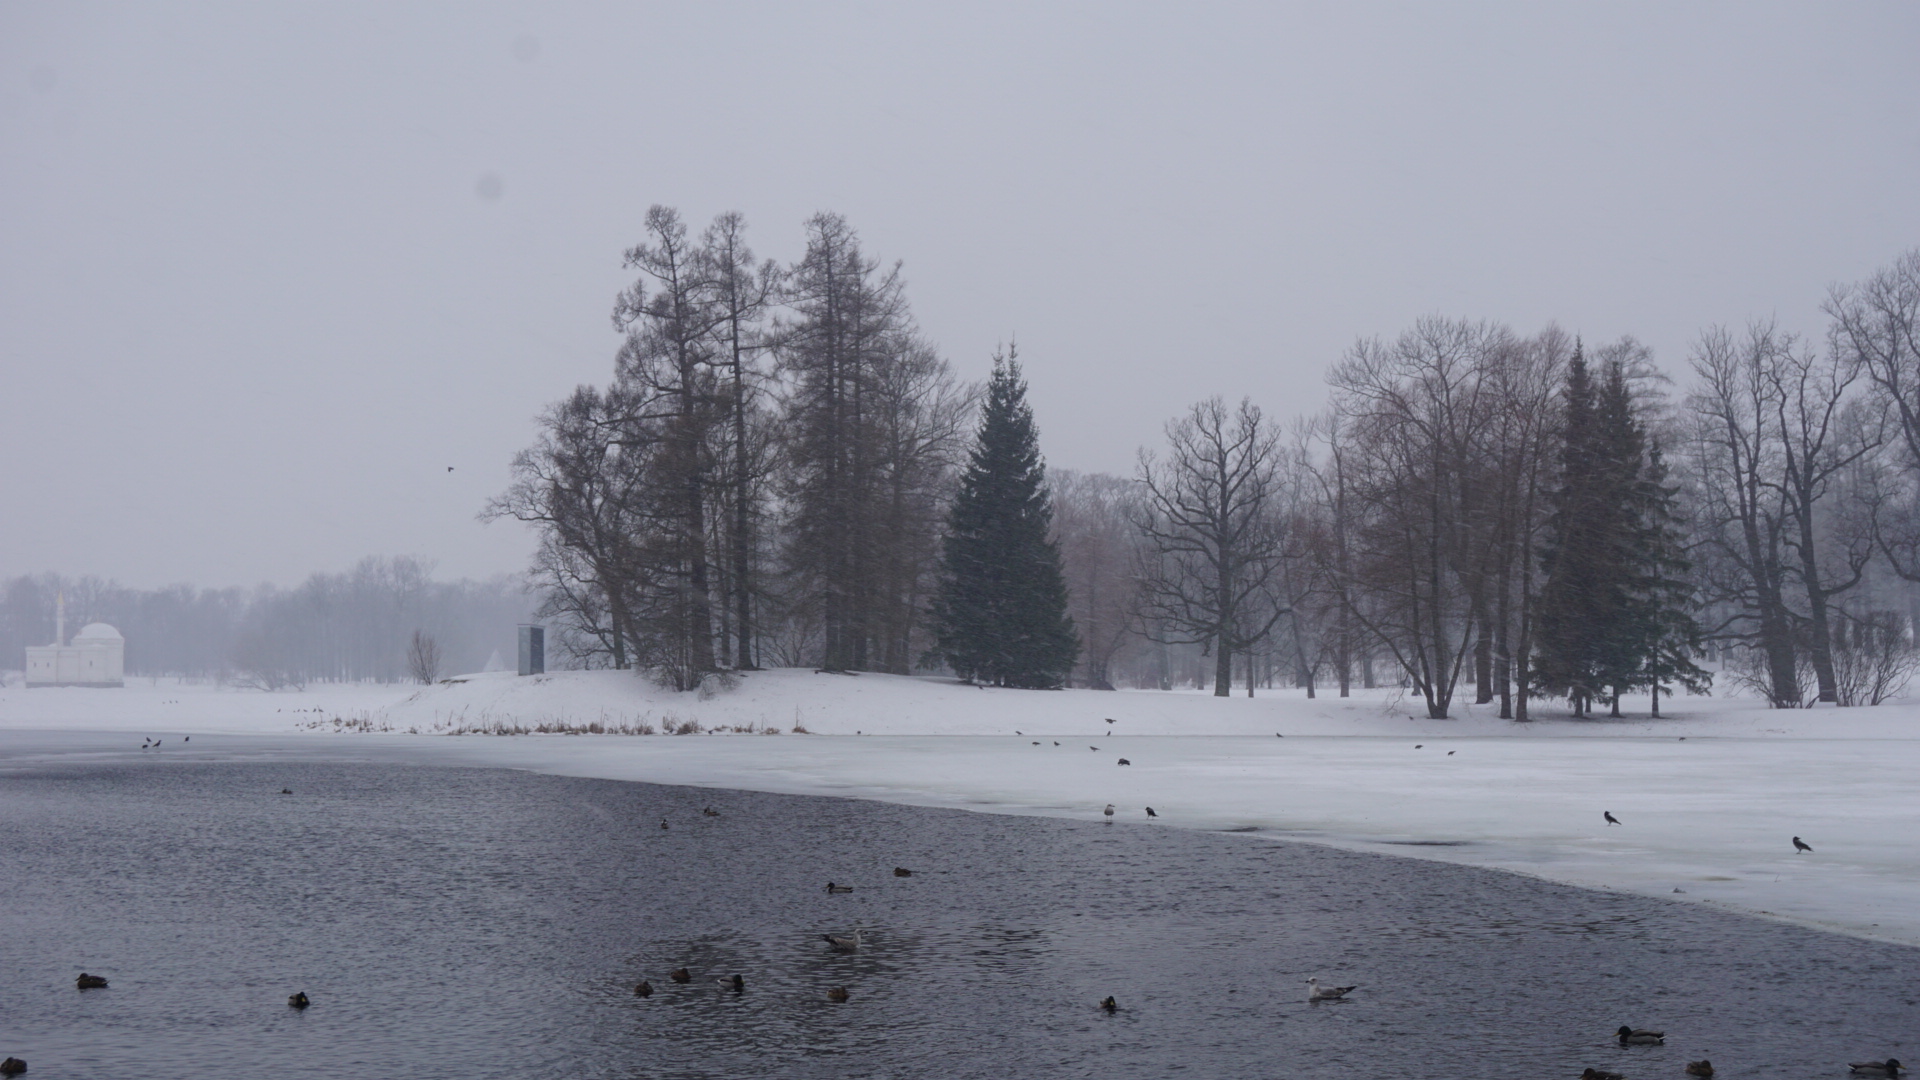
1608 814
1109 813
1316 992
843 944
1800 845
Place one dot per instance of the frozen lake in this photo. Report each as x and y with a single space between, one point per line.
458 922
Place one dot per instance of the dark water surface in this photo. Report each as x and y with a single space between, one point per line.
484 923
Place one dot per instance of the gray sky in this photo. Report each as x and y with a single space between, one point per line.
254 297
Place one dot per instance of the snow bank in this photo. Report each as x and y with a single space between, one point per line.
1709 800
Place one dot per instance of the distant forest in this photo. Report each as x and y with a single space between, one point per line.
767 478
1478 514
348 627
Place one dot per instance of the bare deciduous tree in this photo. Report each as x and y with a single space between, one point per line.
1210 520
423 658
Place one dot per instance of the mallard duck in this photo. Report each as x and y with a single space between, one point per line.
733 983
1630 1036
838 993
645 989
663 823
1889 1067
843 944
299 1001
1703 1067
286 791
711 812
12 1067
680 975
1316 992
901 871
832 888
1109 1004
90 982
1596 1074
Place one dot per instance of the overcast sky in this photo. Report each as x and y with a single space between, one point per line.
267 270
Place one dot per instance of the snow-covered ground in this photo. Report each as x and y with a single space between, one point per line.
1709 799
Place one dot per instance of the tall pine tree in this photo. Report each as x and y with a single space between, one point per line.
1577 556
1616 611
1000 615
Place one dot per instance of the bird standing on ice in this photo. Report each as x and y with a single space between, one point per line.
1608 814
1316 992
1109 813
1800 845
1150 812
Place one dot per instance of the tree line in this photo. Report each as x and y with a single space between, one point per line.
383 620
783 471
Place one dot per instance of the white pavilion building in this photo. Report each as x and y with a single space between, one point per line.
97 656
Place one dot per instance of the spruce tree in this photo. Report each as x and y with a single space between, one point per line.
1569 634
1000 612
1670 636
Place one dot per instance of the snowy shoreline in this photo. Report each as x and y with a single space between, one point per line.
1708 798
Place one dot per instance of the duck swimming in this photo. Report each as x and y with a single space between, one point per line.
901 871
832 888
1703 1067
298 1001
1889 1067
645 989
680 975
1640 1036
1109 1004
735 983
838 993
1596 1074
90 982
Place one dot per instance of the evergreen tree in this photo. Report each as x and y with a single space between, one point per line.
1000 614
1575 556
1615 613
1670 635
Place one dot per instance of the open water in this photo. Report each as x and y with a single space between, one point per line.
485 923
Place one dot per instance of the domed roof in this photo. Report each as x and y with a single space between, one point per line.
97 631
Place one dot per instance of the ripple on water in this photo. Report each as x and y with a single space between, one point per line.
467 922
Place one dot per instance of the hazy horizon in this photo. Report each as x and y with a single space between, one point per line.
270 271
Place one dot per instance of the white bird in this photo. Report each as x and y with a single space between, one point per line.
1316 992
1109 813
